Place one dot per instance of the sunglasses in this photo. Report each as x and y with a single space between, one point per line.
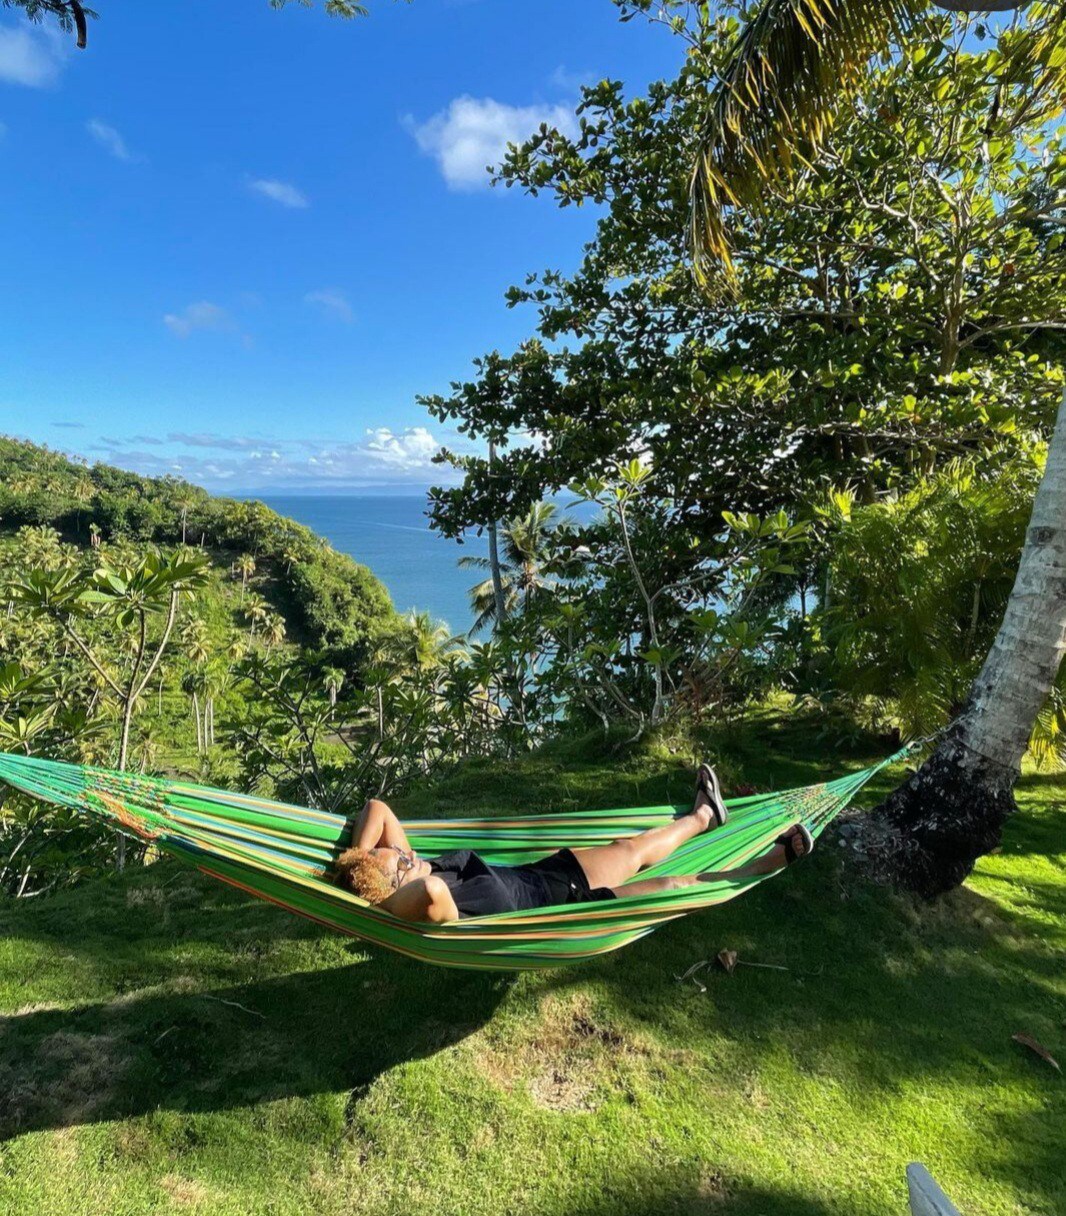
405 863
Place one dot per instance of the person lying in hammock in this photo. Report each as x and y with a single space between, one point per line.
383 869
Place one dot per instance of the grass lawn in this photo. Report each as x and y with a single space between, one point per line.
169 1046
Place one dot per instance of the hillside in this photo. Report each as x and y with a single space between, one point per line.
170 1046
327 599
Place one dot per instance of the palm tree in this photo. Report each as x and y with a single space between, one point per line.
526 545
421 644
245 567
193 683
274 629
499 602
793 64
194 641
257 611
183 500
291 555
236 647
333 678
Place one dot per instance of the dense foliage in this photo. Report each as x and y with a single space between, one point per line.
130 605
895 327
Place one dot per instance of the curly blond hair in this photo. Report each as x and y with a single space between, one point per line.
365 875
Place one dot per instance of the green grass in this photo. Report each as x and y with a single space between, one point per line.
169 1046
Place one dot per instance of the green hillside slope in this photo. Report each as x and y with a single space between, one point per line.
327 599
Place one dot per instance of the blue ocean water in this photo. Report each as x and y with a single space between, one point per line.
391 535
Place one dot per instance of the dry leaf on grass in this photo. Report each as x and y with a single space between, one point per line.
727 960
1039 1049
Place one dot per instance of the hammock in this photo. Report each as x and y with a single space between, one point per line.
283 854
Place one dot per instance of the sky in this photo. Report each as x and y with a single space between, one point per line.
238 243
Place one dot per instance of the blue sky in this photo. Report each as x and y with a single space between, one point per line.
237 243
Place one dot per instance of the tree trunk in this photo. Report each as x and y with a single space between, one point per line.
494 561
952 809
123 752
199 728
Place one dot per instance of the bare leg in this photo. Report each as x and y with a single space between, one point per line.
653 886
775 860
610 865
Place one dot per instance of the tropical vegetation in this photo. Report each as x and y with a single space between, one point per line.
786 510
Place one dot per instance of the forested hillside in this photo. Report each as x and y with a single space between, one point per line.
141 615
326 599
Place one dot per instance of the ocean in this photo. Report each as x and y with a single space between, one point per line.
391 535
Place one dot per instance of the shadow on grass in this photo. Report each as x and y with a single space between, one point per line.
708 1196
297 1035
875 994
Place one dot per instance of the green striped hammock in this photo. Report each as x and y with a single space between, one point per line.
283 854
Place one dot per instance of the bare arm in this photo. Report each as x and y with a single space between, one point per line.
425 899
377 827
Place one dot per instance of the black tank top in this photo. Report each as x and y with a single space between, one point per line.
480 889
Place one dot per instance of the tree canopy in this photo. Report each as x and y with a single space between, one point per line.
885 320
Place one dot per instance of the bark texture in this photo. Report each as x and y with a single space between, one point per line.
936 825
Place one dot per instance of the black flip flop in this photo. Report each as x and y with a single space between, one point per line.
790 849
707 781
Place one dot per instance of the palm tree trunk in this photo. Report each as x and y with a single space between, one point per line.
199 731
494 560
952 809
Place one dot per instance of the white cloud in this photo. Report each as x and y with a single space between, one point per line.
413 448
202 315
280 192
382 456
31 56
473 133
332 302
108 139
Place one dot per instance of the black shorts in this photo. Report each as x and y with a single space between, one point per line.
564 881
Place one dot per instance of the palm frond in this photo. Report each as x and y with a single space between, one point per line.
792 67
773 104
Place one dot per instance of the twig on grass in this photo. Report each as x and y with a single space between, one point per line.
234 1004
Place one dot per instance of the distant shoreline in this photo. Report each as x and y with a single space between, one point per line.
391 536
273 492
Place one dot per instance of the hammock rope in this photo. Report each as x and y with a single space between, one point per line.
284 854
